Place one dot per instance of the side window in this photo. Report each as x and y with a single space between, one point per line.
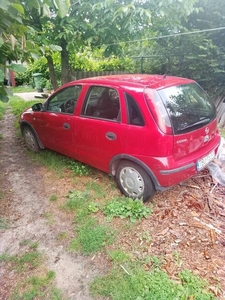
134 114
102 102
65 100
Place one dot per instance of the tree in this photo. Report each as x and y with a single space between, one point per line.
13 31
187 49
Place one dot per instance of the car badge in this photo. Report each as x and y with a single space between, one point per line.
207 130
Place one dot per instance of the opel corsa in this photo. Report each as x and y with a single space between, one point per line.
149 132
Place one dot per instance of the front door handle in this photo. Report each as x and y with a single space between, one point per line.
111 136
66 126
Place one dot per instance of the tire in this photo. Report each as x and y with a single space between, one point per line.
30 139
133 181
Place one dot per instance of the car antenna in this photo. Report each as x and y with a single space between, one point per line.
164 76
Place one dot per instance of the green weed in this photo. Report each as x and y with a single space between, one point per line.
62 236
91 237
22 262
37 287
1 136
119 256
79 168
49 217
3 223
32 287
25 242
22 89
99 190
53 198
126 208
76 199
52 160
93 207
19 105
222 132
132 282
3 107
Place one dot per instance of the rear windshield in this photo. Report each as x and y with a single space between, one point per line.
188 106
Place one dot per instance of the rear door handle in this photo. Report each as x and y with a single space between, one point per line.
66 126
111 136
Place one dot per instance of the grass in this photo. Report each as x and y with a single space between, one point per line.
131 281
222 132
53 198
30 284
3 107
37 287
3 223
19 105
92 237
22 89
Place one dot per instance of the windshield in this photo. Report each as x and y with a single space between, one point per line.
188 107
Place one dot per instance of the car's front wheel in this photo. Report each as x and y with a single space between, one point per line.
30 139
133 181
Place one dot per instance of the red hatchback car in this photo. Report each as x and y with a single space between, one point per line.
150 132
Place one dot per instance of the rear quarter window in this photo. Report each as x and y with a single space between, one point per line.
134 114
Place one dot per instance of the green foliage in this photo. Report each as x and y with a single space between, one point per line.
22 89
2 109
52 160
119 256
87 61
93 207
79 168
3 222
19 105
132 282
76 200
37 287
127 208
53 198
195 285
23 262
92 237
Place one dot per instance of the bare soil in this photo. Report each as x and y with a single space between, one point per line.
186 228
24 203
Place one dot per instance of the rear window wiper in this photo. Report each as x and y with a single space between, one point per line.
196 124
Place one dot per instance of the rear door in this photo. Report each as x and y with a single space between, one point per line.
99 132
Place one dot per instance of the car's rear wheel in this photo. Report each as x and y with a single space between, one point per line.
133 181
30 139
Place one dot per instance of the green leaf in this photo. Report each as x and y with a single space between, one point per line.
1 41
18 7
62 6
4 5
17 67
1 75
46 10
55 48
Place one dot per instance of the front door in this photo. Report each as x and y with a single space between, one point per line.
56 125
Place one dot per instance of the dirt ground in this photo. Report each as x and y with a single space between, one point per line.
187 226
27 208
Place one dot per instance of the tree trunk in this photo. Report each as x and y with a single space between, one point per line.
65 62
52 72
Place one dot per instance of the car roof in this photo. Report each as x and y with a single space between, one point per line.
137 80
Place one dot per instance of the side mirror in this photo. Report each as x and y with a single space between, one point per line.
37 107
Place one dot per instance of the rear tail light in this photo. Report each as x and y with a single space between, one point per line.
158 111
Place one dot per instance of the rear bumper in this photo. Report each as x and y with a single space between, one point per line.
178 171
